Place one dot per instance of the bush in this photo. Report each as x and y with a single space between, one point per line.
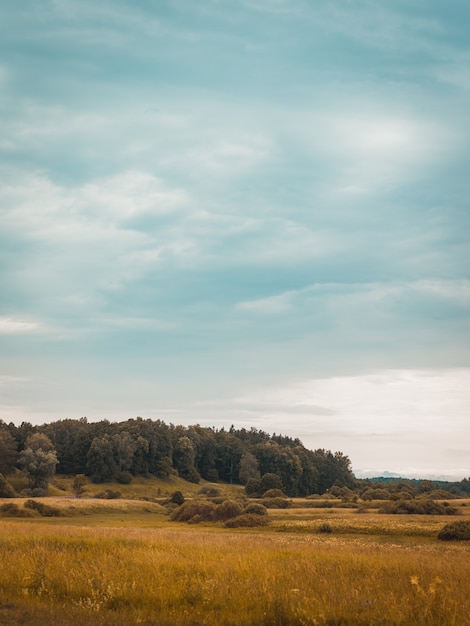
124 478
246 520
325 528
43 509
253 487
418 507
270 481
194 511
277 503
227 510
210 492
177 498
255 509
274 493
10 509
108 494
456 531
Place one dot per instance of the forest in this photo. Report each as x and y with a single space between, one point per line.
117 451
107 451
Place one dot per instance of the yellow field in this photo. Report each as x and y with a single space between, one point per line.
123 562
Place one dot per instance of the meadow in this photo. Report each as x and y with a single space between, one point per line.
124 562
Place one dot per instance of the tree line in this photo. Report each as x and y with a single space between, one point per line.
116 451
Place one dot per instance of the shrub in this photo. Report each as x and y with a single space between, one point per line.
255 508
270 481
125 478
274 493
246 520
253 487
277 503
177 498
108 494
456 531
325 528
418 507
227 510
10 509
211 492
43 509
194 511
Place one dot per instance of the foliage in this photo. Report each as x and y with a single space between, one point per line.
43 509
249 468
455 531
200 511
271 481
108 494
227 510
38 462
273 493
247 520
78 485
177 498
253 487
325 528
11 509
6 490
418 507
255 508
277 503
114 451
8 451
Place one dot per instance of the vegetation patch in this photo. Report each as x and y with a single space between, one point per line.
455 531
418 507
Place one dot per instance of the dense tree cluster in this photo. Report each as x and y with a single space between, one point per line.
107 451
116 451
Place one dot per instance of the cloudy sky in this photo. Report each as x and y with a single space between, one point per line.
252 212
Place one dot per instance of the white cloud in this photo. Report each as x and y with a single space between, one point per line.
12 326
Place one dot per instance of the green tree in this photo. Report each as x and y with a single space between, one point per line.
183 459
38 462
249 467
8 452
100 465
78 485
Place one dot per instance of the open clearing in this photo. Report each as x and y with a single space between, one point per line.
123 562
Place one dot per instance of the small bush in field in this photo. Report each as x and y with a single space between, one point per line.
325 528
125 478
418 507
455 531
254 508
108 494
276 503
227 510
194 511
274 493
43 509
246 520
11 509
177 498
210 492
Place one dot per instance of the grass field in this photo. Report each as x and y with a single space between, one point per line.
123 562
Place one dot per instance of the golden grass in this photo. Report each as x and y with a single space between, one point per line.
185 575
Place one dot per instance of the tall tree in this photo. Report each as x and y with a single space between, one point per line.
38 462
8 452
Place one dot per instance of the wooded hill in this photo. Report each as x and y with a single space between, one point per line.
107 451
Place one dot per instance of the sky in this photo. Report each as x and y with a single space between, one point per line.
252 212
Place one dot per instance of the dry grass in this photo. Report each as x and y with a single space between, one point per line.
177 574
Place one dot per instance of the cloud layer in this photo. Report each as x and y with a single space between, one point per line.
202 202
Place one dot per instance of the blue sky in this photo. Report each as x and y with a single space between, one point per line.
252 212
